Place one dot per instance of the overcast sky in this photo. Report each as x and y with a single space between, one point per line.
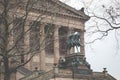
104 53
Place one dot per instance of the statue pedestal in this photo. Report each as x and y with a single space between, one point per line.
77 63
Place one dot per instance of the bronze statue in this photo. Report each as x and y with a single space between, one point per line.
73 41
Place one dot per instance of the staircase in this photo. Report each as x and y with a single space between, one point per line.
38 75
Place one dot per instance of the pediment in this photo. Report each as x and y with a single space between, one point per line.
55 6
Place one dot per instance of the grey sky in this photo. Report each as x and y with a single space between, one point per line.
104 53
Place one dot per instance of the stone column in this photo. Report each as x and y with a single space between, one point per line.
82 48
71 30
42 47
10 44
26 42
56 44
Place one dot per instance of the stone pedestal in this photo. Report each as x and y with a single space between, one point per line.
77 63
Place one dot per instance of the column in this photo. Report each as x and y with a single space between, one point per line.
10 44
82 47
71 30
42 47
26 42
56 44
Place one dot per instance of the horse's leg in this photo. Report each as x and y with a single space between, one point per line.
68 51
77 49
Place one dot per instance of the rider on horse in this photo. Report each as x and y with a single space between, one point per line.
73 41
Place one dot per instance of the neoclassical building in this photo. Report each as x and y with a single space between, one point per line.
51 23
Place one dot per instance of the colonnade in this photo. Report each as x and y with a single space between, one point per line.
56 45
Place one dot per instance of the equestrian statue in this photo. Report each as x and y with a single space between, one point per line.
73 41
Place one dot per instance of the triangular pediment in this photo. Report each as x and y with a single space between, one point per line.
56 6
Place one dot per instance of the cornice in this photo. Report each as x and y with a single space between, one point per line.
79 13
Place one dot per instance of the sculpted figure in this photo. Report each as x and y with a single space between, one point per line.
73 41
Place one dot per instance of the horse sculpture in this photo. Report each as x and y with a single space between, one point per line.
73 41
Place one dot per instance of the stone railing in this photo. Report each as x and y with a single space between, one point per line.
39 76
29 77
45 76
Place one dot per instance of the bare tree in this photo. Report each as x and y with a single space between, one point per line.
104 20
14 18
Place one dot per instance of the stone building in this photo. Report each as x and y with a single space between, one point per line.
61 20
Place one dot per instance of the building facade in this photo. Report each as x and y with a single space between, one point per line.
51 22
